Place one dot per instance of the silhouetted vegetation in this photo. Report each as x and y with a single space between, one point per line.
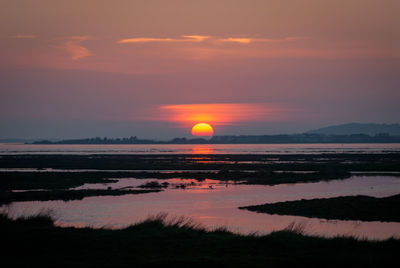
154 184
242 139
364 208
180 242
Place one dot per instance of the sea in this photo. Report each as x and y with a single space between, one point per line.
19 148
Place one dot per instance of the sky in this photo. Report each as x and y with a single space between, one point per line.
155 68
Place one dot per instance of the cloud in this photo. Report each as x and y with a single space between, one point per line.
23 36
185 38
75 49
261 40
145 40
237 40
202 38
198 37
295 38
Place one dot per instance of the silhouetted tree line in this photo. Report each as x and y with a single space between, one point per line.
242 139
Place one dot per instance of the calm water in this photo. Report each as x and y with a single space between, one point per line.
211 203
215 204
198 149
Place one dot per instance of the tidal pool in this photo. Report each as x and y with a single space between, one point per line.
215 204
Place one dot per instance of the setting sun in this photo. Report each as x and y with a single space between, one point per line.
202 129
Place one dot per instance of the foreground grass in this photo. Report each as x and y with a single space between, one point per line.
35 241
364 208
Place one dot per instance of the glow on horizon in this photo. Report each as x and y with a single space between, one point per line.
220 113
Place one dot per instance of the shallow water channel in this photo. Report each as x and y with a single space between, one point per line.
214 204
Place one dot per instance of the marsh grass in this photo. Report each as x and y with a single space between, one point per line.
296 227
364 208
161 240
45 217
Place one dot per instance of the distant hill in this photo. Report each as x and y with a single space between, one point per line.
359 128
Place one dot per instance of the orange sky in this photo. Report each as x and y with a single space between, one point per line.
258 61
168 35
221 113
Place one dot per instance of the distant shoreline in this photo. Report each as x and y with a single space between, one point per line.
241 139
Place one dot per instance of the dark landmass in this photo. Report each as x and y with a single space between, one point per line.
243 139
274 178
7 197
363 208
179 243
65 180
47 186
267 162
249 169
53 180
359 128
245 169
154 185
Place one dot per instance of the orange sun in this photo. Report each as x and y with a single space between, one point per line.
202 129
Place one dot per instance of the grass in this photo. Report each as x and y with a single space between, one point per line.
43 218
364 208
179 242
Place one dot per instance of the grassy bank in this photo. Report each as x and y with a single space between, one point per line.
65 195
364 208
53 180
35 241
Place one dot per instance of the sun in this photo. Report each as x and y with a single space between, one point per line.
202 129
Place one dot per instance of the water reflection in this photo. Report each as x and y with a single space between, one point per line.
202 149
84 149
218 206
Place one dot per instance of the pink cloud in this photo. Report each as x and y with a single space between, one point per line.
245 40
186 38
201 38
75 49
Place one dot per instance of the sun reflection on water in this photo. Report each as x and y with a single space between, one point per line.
202 149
